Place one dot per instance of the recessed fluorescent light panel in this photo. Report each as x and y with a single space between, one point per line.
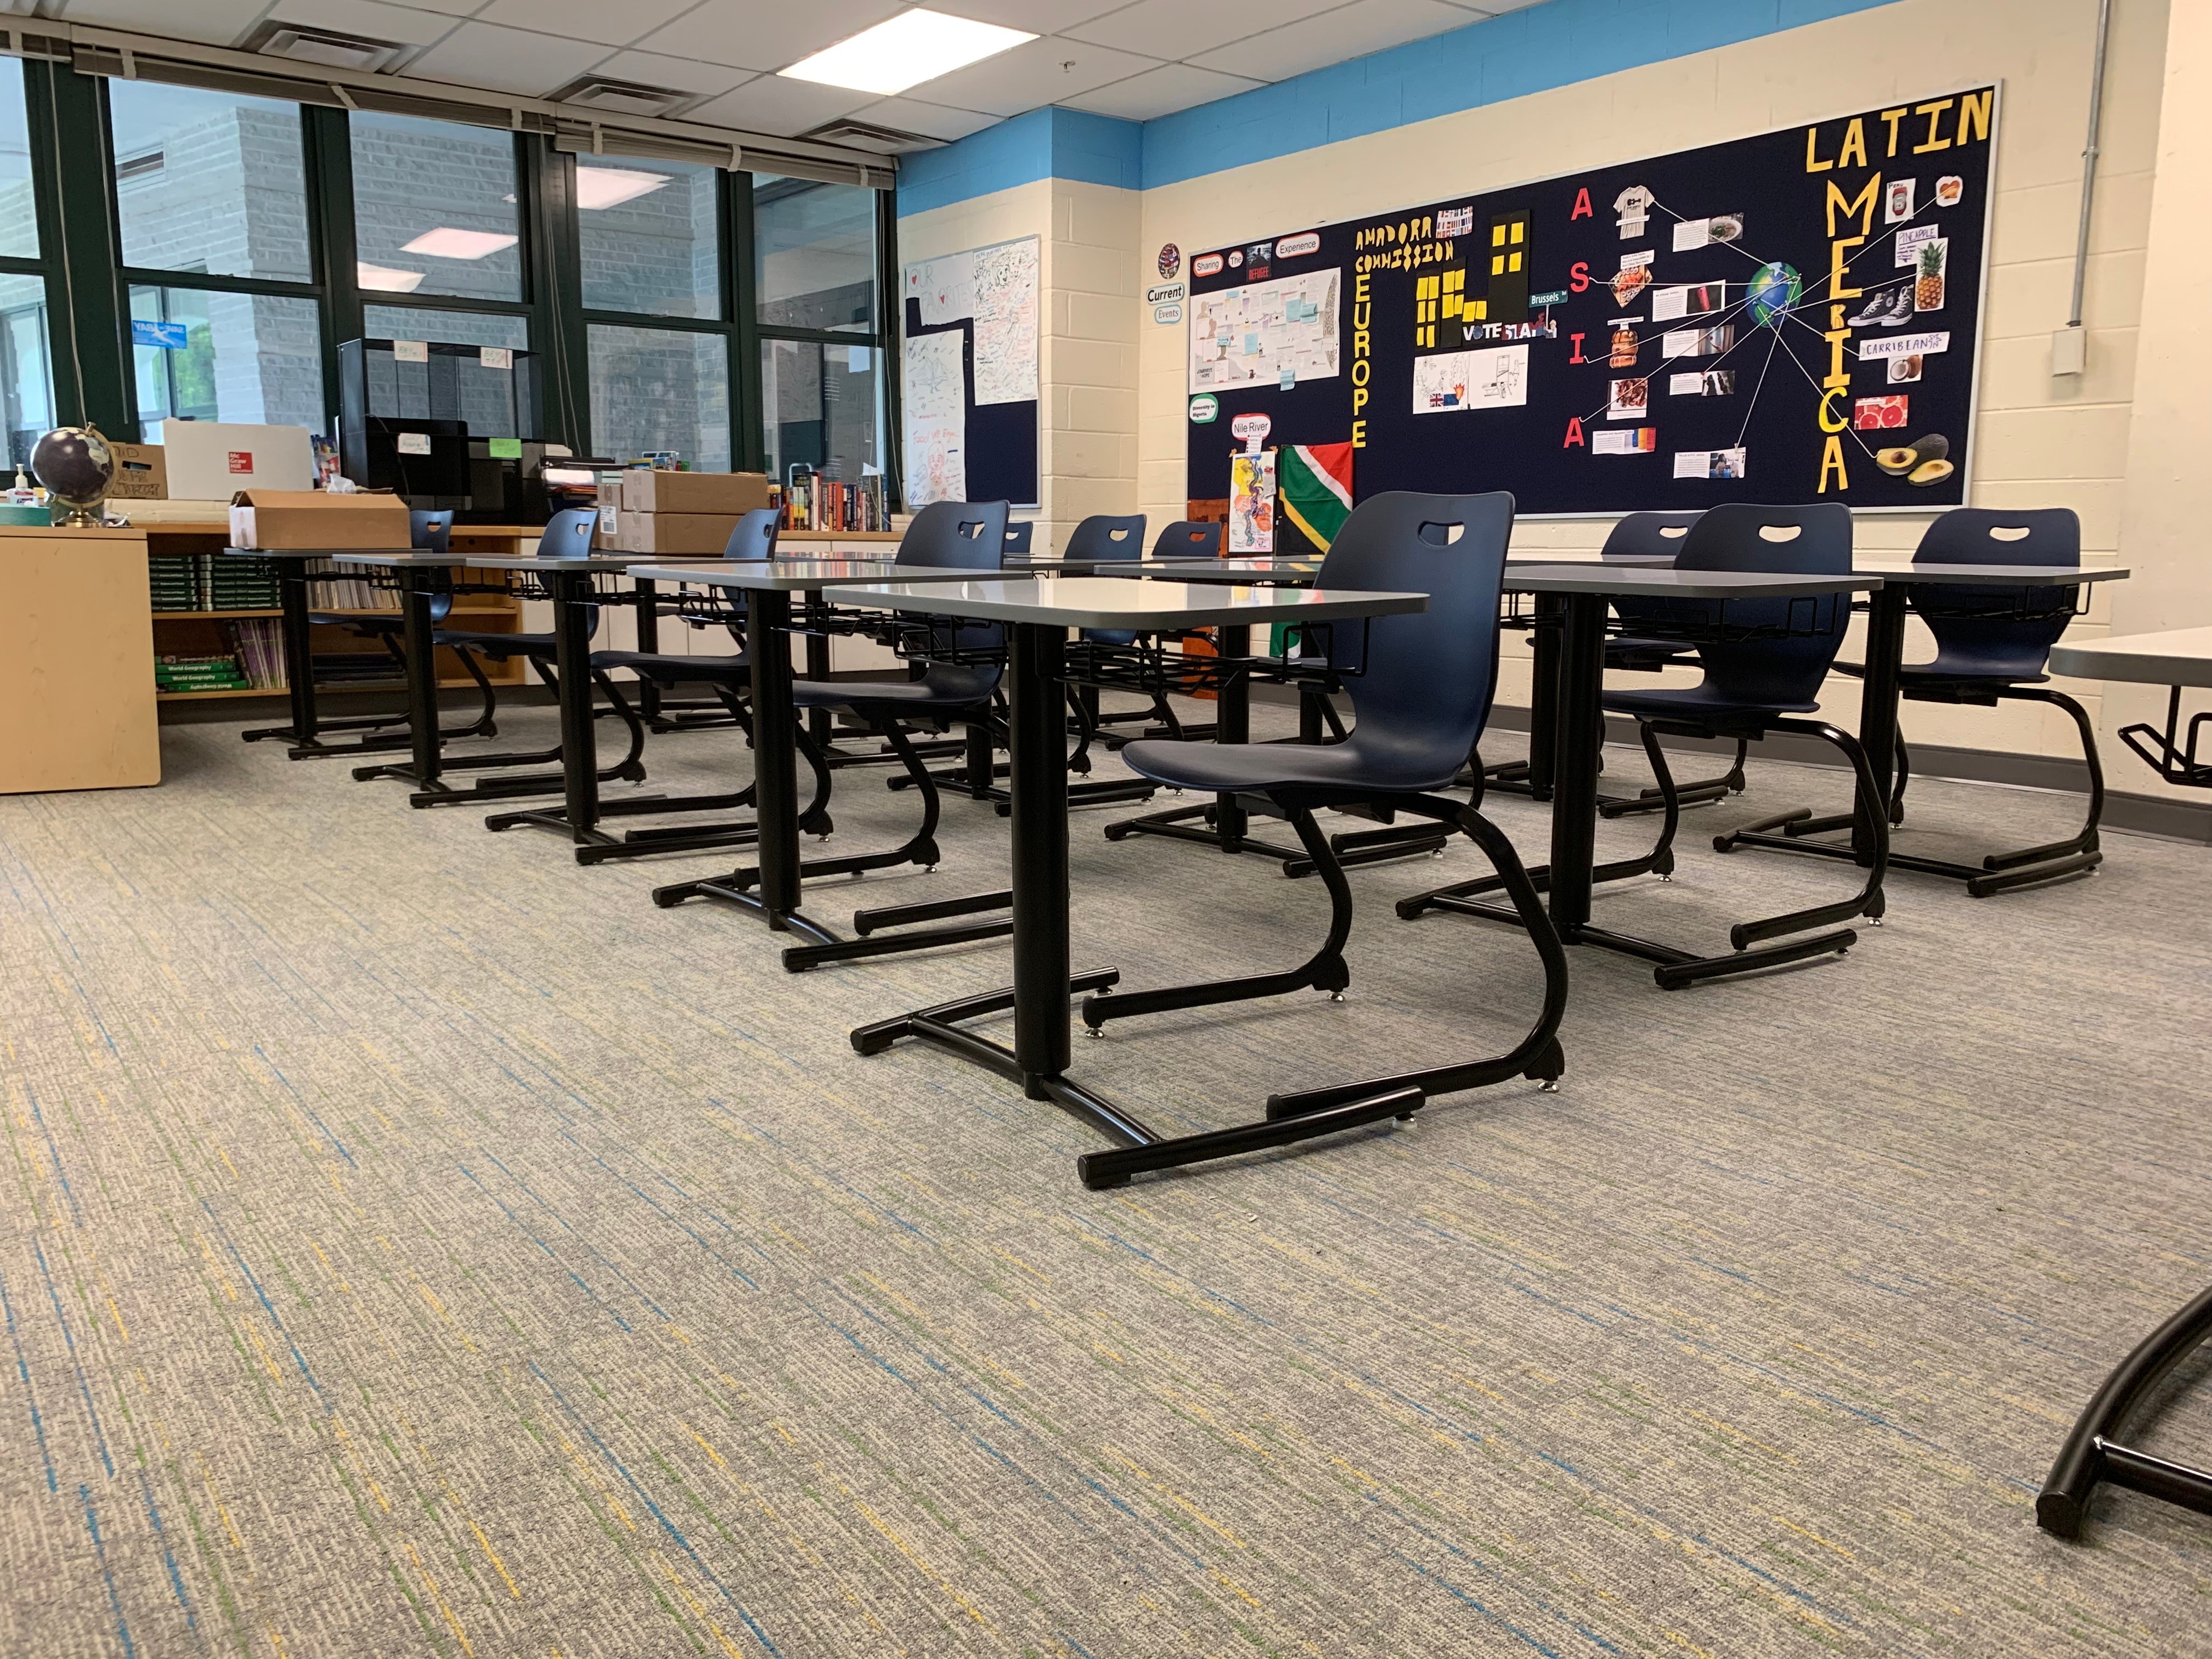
914 46
447 243
606 187
383 279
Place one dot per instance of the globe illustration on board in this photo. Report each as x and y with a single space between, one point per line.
76 467
1775 289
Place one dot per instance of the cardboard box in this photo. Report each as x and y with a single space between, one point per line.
312 519
644 490
695 535
141 472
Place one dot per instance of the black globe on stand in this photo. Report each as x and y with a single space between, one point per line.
76 467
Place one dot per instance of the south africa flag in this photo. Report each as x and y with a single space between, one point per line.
1313 491
1313 486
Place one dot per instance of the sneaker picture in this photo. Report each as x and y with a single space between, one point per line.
1876 309
1901 307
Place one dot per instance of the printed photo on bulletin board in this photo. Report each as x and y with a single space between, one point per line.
1789 317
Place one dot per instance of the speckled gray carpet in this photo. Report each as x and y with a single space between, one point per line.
411 1243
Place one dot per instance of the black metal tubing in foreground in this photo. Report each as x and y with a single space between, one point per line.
1038 1059
2090 1457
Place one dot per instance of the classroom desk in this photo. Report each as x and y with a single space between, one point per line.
416 573
2090 1455
1040 614
1587 591
294 590
768 585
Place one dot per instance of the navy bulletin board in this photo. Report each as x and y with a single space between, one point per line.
1757 320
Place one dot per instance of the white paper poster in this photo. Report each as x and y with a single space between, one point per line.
935 419
1251 336
1005 313
1496 379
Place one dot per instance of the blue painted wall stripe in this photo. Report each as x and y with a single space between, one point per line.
1533 50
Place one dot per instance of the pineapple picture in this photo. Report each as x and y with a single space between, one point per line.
1927 289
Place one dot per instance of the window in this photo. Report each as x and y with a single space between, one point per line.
435 209
822 408
26 387
815 265
226 357
650 235
657 389
209 182
814 254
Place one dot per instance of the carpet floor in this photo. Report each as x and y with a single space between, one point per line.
411 1242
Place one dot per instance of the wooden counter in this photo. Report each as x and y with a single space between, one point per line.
76 661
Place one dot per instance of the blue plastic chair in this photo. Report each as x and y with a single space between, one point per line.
944 535
1763 672
1421 687
1186 538
1018 536
1992 645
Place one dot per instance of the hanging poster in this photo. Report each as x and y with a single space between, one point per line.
1252 501
1738 314
969 415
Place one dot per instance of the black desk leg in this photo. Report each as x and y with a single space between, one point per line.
299 662
578 817
1879 696
1233 711
817 668
1580 679
422 770
1532 777
648 640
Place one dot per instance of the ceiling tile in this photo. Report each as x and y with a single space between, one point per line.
450 7
1048 71
1335 37
495 60
764 35
220 21
1038 16
586 20
402 24
931 120
1184 28
652 69
1160 91
775 104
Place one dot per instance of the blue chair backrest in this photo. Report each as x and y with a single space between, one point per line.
1645 535
960 535
1017 539
1740 535
429 531
2000 647
755 536
1102 536
568 535
1421 684
1188 539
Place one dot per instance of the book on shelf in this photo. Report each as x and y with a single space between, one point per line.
814 502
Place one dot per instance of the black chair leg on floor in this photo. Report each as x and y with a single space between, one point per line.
2090 1456
1870 903
1325 971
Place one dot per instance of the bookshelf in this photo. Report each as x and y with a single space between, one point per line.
198 633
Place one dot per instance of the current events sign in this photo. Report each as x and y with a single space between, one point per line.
1783 318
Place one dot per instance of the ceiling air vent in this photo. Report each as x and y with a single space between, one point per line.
605 97
864 135
325 48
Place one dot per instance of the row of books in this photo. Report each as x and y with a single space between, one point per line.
813 502
255 661
341 588
211 581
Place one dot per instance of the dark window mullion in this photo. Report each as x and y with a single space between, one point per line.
751 441
138 277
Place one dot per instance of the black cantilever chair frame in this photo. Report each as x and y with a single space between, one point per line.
1992 645
1766 679
1421 687
944 533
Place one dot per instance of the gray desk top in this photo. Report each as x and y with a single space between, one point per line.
2183 657
1628 578
1111 602
589 562
1904 573
799 576
306 553
413 558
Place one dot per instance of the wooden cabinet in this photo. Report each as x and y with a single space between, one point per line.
76 661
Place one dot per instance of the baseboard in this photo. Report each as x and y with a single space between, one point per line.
2149 815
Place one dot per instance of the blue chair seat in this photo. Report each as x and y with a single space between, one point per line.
1938 674
1698 702
947 685
497 645
666 668
1261 768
